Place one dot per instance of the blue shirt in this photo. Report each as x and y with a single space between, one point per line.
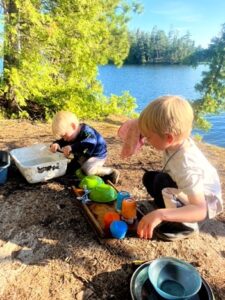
88 143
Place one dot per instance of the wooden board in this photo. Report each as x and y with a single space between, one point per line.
94 213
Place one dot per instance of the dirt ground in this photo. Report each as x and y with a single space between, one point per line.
49 251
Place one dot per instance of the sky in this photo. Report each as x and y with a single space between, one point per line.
202 18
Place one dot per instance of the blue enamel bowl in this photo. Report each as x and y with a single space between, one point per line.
174 279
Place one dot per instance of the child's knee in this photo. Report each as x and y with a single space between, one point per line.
145 179
89 171
148 178
173 198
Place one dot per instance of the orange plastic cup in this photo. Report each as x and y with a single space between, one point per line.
109 217
129 209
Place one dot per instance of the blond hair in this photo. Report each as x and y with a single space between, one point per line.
61 122
167 115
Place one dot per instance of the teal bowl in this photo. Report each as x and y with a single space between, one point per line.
174 279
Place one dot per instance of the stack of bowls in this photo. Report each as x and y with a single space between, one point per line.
169 278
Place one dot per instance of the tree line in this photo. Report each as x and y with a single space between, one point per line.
158 47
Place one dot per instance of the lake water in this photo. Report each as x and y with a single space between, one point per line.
146 83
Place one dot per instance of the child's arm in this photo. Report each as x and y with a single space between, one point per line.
86 143
67 150
195 211
84 147
61 143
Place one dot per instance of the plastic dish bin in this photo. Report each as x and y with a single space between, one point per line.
37 163
4 164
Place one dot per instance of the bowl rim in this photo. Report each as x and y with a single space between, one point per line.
181 262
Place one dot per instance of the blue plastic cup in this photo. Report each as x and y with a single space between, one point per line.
118 229
120 197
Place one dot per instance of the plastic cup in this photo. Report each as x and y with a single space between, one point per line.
118 229
129 209
109 217
120 197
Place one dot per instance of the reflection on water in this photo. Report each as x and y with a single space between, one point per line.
146 83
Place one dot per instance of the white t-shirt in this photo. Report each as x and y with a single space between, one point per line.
194 174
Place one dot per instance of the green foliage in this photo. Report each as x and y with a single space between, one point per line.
103 106
2 115
122 105
201 122
200 55
212 86
52 50
198 137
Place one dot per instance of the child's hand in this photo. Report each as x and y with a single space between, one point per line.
67 150
54 147
148 224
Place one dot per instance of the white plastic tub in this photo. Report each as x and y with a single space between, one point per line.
37 163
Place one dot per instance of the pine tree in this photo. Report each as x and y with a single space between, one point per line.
212 86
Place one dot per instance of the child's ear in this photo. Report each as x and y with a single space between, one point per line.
73 126
170 138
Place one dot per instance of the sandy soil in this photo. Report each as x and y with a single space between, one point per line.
49 251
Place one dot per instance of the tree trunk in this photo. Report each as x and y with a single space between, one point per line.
11 49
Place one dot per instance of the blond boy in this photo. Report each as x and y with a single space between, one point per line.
84 142
187 190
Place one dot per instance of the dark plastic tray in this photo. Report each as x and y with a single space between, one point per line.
142 289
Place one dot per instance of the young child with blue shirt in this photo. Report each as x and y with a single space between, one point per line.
85 143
